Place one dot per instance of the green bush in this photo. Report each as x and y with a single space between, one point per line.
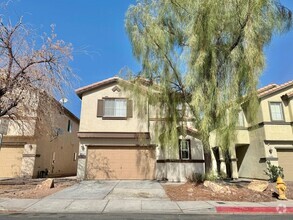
210 176
273 172
196 178
199 178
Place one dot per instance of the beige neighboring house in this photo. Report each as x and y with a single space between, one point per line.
269 139
117 144
28 150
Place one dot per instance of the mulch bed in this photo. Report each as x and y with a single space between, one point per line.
238 192
26 188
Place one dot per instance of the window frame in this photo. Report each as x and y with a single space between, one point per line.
241 118
188 150
281 112
113 116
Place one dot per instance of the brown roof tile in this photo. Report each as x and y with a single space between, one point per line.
265 88
81 90
273 89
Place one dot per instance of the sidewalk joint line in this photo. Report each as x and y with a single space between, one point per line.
32 204
178 206
112 189
105 206
69 204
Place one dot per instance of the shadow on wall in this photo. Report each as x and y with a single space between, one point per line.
27 166
240 155
98 167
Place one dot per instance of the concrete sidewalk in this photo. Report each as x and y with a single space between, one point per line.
48 205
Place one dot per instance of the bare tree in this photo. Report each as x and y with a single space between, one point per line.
29 67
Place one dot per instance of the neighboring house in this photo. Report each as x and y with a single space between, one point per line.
269 139
117 144
37 147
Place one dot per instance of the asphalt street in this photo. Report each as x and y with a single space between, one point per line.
145 216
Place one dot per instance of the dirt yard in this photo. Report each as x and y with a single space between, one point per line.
238 192
27 188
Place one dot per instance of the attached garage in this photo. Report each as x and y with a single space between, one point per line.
121 163
285 158
10 160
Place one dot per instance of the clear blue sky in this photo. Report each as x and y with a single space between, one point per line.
97 26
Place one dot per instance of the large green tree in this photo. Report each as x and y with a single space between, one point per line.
204 55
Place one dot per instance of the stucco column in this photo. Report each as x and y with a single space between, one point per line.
81 165
28 160
223 168
214 164
233 159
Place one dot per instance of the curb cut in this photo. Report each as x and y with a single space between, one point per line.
233 209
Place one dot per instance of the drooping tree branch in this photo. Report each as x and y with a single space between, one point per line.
24 69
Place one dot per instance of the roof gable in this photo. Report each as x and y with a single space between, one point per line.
96 85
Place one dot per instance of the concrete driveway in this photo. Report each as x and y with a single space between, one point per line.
113 190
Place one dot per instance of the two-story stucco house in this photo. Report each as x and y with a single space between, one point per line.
36 147
115 143
269 139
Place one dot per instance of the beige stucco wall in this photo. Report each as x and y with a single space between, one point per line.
275 98
252 166
113 142
290 108
64 146
91 123
21 127
242 137
278 132
28 160
145 123
31 131
256 139
176 171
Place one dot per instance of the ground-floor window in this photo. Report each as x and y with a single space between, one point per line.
184 149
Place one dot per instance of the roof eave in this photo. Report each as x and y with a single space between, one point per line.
96 85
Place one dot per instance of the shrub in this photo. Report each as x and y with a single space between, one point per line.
273 172
196 178
210 176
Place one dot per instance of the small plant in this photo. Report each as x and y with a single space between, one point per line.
210 176
222 175
199 178
196 178
273 172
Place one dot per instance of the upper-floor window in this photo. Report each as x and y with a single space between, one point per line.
115 107
276 110
241 119
69 126
119 108
184 149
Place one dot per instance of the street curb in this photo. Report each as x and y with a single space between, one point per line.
233 209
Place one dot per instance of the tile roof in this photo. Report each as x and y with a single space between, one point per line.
267 90
81 90
288 95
